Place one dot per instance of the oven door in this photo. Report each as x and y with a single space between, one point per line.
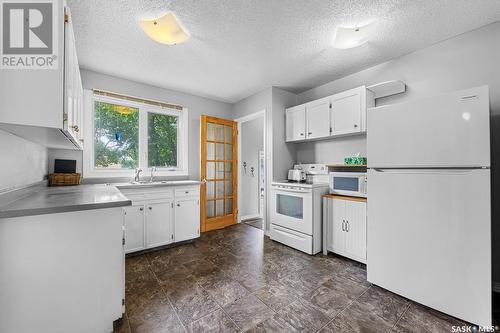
292 209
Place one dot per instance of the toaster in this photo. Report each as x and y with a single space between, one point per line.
296 175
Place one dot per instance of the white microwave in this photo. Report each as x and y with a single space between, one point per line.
348 183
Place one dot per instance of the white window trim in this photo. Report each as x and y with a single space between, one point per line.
88 152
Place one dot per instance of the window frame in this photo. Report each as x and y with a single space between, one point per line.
89 169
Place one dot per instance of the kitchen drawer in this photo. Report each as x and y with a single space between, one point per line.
292 238
188 191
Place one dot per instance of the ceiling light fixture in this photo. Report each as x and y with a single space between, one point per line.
346 38
165 29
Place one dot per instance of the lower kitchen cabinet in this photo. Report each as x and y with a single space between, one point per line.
158 223
187 211
344 226
160 216
134 228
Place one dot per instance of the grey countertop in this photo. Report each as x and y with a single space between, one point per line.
50 200
146 184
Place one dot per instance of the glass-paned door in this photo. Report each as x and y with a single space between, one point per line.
218 173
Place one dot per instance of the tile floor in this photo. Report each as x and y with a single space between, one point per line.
237 280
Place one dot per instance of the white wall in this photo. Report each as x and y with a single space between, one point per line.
22 162
195 104
283 153
280 155
468 60
252 141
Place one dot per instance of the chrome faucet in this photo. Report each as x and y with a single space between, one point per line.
137 172
153 170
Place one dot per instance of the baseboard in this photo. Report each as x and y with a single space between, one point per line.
496 286
250 217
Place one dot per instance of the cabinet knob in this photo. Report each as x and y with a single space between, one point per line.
186 192
141 209
75 128
150 207
178 205
355 125
301 134
309 133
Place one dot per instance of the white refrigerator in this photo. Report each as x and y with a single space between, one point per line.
429 207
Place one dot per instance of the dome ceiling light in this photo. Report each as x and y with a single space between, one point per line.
165 29
346 38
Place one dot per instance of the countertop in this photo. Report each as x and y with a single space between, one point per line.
50 200
128 186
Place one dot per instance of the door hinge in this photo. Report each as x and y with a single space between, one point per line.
172 236
172 204
123 301
123 241
331 130
65 116
330 105
66 18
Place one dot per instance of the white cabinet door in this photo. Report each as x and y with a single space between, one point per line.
158 224
337 208
318 119
296 123
355 230
134 228
187 220
346 111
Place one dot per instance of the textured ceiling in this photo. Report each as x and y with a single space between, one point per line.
239 47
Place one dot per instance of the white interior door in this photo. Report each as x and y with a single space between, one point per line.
158 220
446 130
318 119
429 238
355 235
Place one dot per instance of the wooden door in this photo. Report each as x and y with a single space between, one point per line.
318 119
218 173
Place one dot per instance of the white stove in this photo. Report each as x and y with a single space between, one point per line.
296 211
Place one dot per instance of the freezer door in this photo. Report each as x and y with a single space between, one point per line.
429 238
450 130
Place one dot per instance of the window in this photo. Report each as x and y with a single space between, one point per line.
126 135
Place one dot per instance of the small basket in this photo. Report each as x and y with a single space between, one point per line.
64 179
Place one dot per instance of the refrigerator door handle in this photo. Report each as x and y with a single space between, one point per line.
430 171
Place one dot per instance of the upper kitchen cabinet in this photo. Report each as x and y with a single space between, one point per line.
317 114
41 95
337 115
348 111
296 123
